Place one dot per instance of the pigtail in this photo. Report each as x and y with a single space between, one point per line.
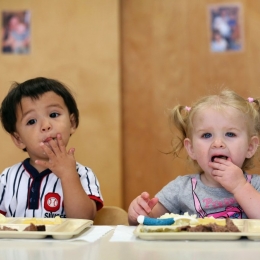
178 118
255 102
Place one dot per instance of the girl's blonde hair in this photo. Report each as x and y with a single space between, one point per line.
182 118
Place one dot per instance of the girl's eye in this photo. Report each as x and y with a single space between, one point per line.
53 115
230 134
206 135
31 122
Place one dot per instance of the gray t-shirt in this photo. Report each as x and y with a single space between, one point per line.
188 194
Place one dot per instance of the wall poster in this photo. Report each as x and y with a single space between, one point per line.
16 37
225 27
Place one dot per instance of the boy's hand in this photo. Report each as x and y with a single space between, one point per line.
60 161
141 205
229 175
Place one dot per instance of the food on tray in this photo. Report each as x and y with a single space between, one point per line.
49 221
31 227
4 228
211 220
173 215
154 221
167 220
209 227
191 219
14 229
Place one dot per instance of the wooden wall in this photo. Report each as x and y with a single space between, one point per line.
166 61
147 55
76 42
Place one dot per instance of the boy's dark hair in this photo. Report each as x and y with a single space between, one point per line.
33 88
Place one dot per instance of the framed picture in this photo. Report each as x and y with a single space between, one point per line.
226 27
16 32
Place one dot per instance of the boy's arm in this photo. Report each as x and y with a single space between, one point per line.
77 203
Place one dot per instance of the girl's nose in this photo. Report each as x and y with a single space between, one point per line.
218 143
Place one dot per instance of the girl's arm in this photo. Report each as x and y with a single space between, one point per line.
249 199
143 205
231 177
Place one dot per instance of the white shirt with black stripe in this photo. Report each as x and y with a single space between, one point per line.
24 192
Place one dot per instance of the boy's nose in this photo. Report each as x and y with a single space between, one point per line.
46 126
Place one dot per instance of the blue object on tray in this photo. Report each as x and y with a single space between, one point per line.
155 221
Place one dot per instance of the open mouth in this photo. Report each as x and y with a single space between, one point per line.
49 139
219 156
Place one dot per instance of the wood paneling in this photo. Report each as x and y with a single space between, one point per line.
76 42
166 61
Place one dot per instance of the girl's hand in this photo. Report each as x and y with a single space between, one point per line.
141 205
60 161
229 175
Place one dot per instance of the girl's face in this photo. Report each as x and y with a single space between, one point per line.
220 133
40 120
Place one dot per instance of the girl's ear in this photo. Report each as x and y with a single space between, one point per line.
252 148
73 126
189 148
18 141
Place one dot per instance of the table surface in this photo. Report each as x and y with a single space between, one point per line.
105 249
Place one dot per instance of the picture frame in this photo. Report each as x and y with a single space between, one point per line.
16 32
226 27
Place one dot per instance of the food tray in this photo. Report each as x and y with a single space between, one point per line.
65 230
249 228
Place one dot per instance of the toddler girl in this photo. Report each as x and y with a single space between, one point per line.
221 135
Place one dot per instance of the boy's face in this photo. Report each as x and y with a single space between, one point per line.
40 120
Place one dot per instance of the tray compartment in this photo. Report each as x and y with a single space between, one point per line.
67 229
170 233
70 228
253 226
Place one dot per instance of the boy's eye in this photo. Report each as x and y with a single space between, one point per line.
206 135
31 122
229 134
53 115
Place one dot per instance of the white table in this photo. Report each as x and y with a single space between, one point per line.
20 249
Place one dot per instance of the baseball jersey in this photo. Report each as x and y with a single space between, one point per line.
189 194
24 192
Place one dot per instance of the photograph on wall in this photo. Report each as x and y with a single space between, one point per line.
16 37
225 27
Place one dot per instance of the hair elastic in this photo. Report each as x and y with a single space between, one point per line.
187 108
250 100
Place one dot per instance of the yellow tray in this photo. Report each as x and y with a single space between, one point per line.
65 230
249 228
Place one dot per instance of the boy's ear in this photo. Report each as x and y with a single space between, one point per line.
189 148
18 141
73 126
252 148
